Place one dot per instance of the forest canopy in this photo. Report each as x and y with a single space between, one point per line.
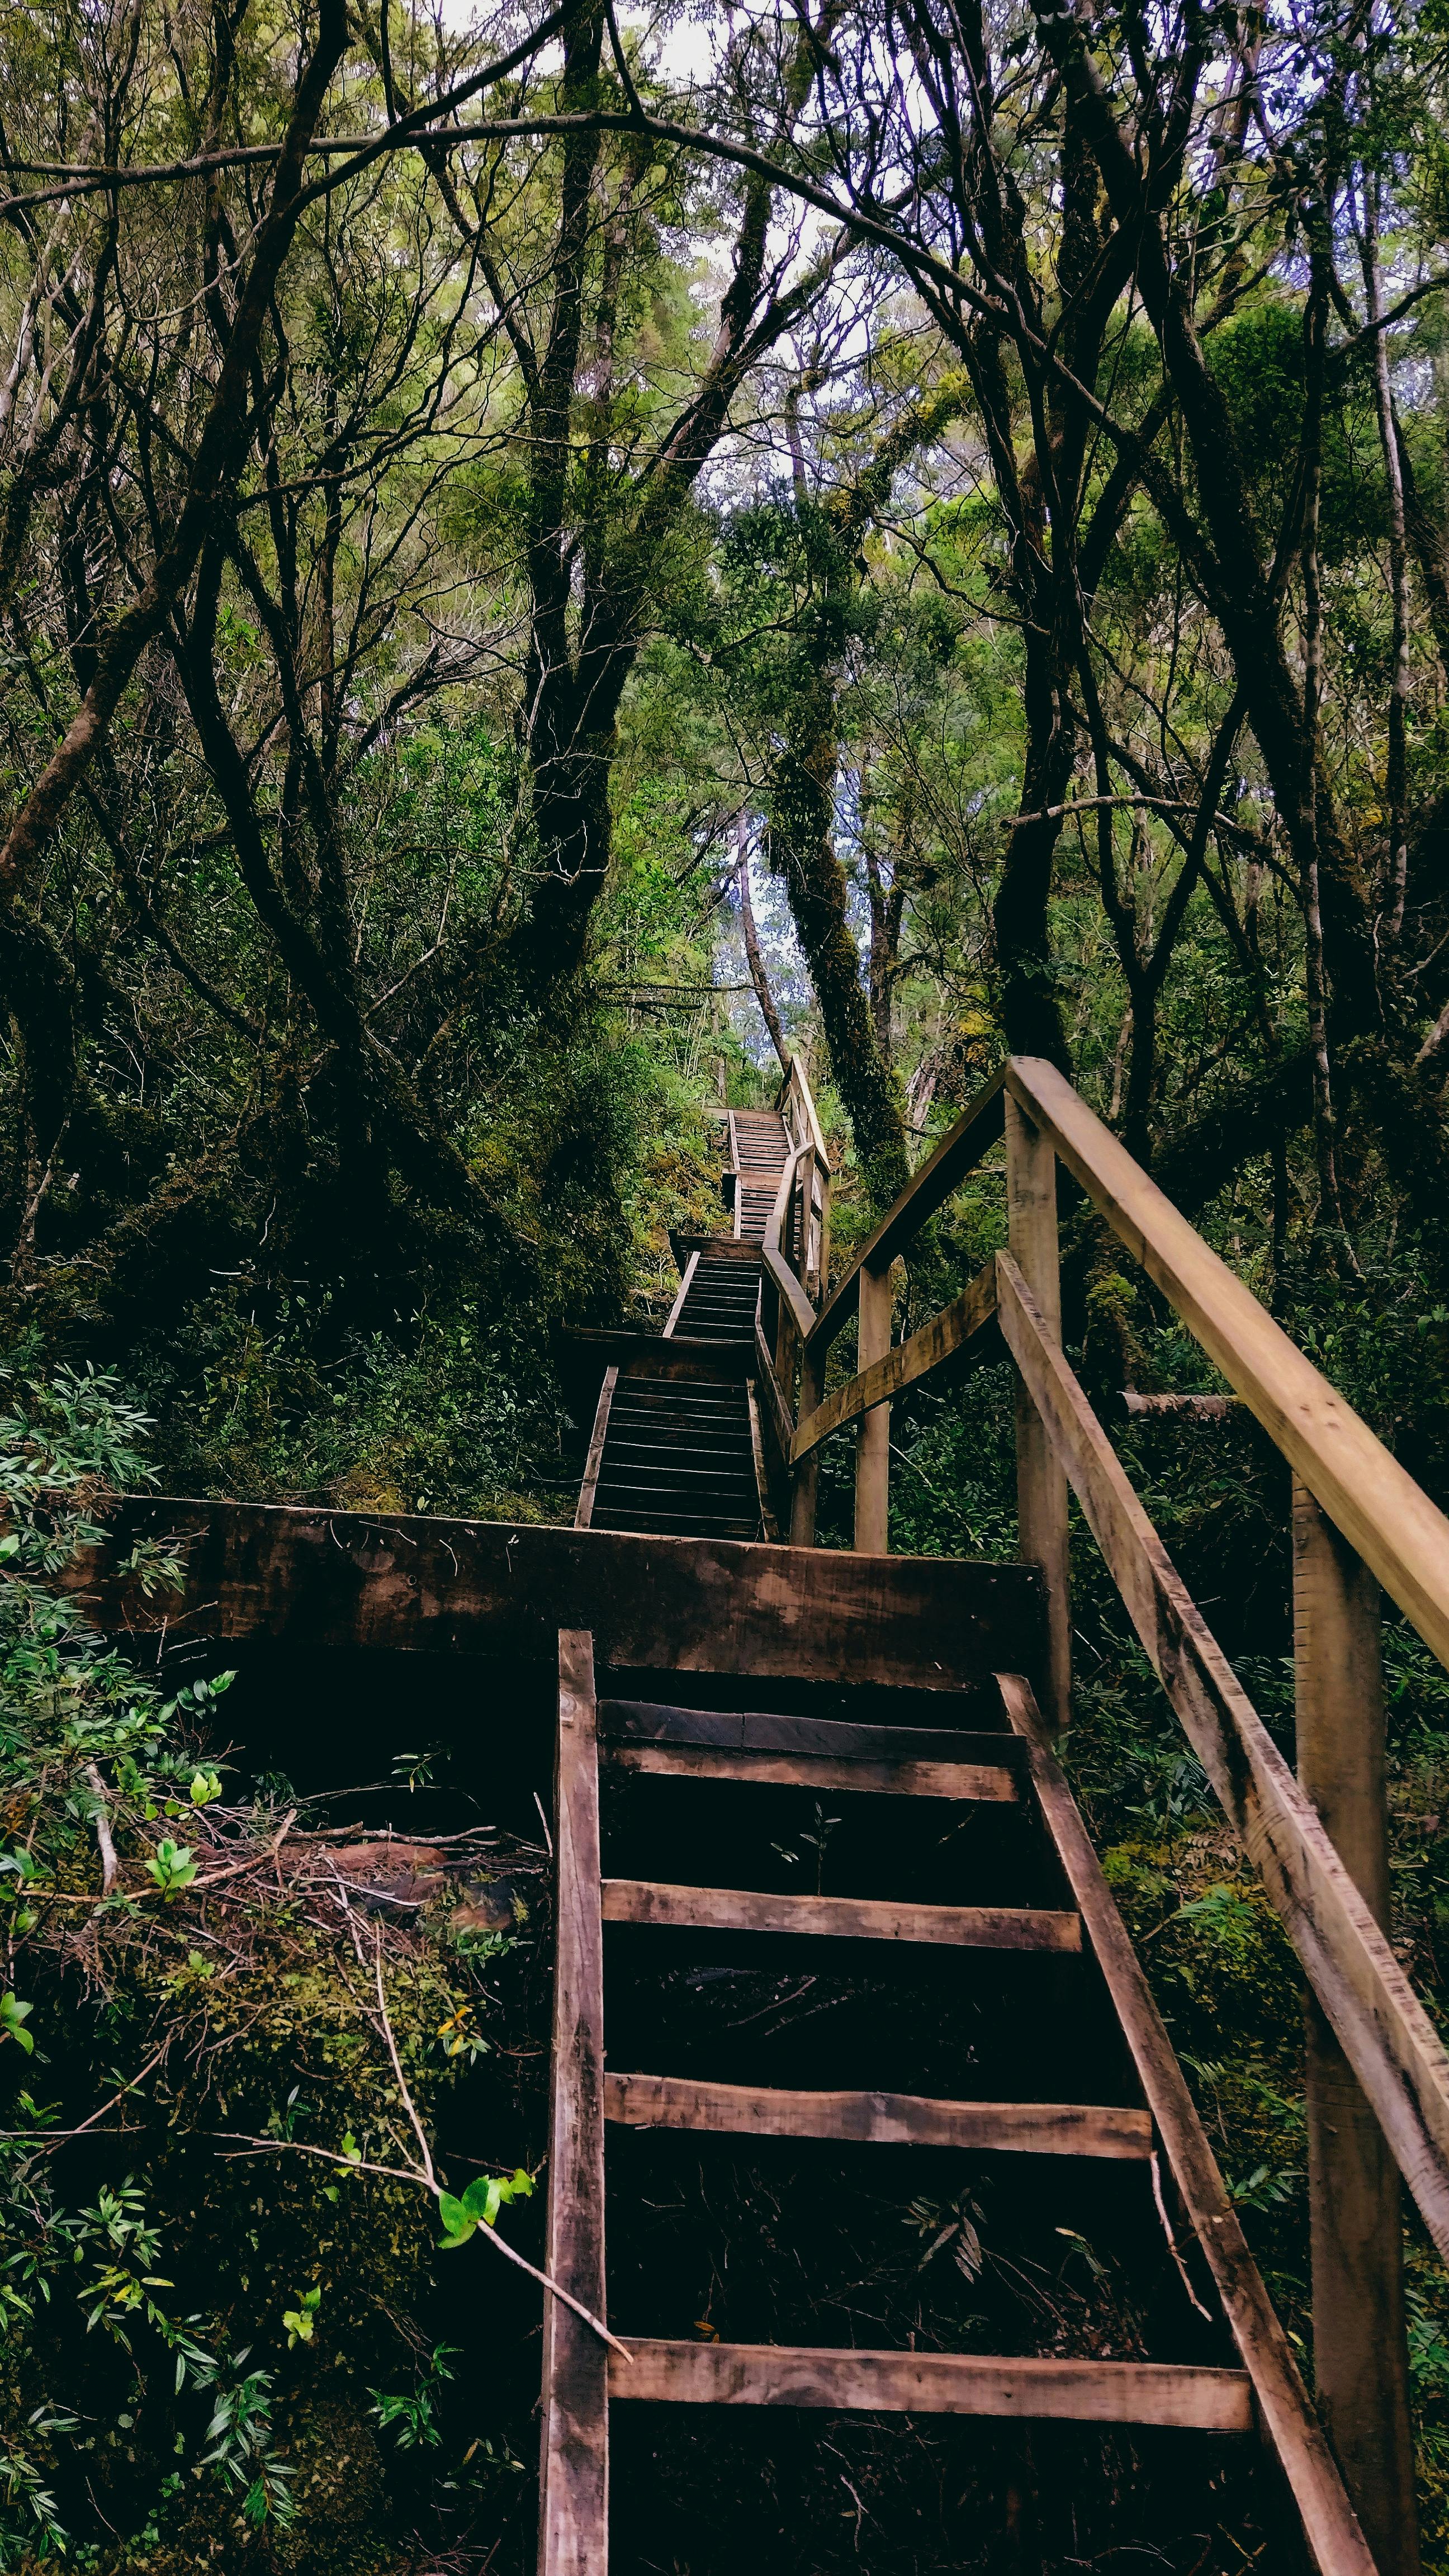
488 507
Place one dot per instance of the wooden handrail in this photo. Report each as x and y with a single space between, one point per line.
936 1342
1389 1519
795 1080
1377 2075
778 1268
1381 2025
939 1177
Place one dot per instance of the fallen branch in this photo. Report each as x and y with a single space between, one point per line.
244 2145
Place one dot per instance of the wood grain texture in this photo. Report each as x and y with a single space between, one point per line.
1360 2348
647 1721
686 1283
877 2119
594 1462
502 1588
1283 2407
932 2383
873 1431
941 1174
1379 2021
1365 1492
963 1780
1041 1485
838 1918
805 1474
574 2440
938 1341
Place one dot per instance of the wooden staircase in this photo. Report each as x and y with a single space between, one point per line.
708 1792
961 1893
681 1453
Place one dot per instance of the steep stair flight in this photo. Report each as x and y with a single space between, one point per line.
851 1951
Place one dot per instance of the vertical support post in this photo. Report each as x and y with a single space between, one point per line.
873 1439
573 2533
1360 2356
807 1474
1041 1485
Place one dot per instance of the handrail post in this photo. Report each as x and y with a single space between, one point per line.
873 1439
807 1475
1360 2355
1041 1485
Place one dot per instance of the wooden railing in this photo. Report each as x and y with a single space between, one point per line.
1318 1840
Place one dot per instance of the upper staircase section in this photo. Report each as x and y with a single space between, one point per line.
759 1150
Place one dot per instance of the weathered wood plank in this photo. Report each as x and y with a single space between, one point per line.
963 1780
595 1460
935 1343
1365 1492
941 1174
1284 2411
871 1535
838 1918
573 2535
932 2383
503 1588
769 1527
686 1283
806 1475
1383 2028
649 1354
1360 2349
877 2119
774 1405
647 1721
1041 1486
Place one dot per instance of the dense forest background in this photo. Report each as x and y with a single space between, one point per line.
545 564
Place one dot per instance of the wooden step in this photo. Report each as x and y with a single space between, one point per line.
932 2383
877 2119
967 1780
838 1918
647 1721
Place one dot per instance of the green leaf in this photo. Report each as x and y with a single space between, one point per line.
13 2017
459 2221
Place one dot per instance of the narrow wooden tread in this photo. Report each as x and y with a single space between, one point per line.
877 2119
839 1918
965 1780
932 2383
767 1731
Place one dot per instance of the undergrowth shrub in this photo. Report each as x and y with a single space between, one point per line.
233 2041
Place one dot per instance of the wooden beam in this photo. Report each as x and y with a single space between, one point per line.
1360 2349
963 1780
938 1179
932 2383
806 1472
838 1918
1284 2412
685 1285
792 1295
647 1721
769 1527
501 1588
573 2535
873 1432
930 1348
1041 1486
877 2119
1382 1513
781 1428
650 1355
595 1460
1381 2025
